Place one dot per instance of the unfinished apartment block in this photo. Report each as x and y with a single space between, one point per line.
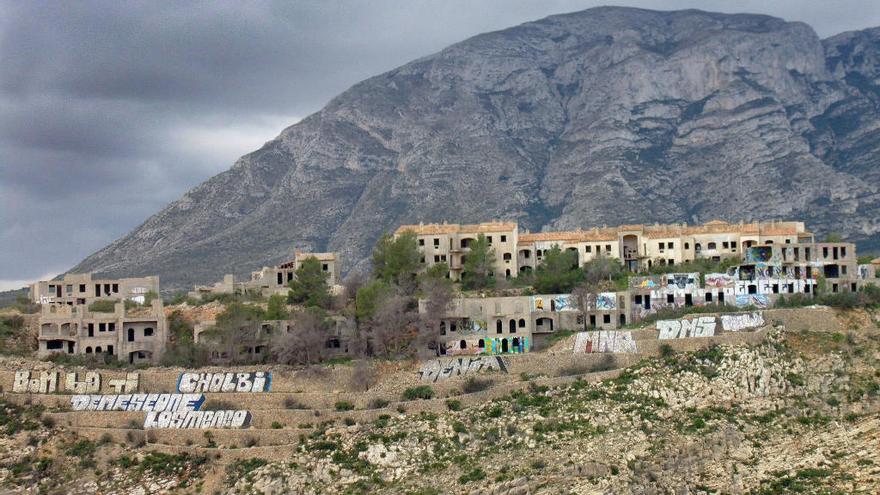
638 247
449 243
273 280
136 335
81 289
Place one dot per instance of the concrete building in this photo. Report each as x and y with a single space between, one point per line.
638 247
137 335
254 344
80 289
273 280
450 243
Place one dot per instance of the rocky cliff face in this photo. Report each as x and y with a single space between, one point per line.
605 116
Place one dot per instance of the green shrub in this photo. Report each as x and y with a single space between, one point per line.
420 392
475 474
103 306
276 425
343 405
378 403
453 405
472 385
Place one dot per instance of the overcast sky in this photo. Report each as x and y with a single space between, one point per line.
110 110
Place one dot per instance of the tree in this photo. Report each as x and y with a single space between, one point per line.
396 260
833 237
236 327
479 265
276 308
597 275
558 273
393 326
437 293
368 298
310 285
306 341
182 349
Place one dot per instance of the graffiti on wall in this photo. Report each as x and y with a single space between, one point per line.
441 369
606 301
703 326
197 419
644 282
558 302
191 382
756 300
719 280
137 402
864 271
47 382
682 281
486 345
744 321
616 341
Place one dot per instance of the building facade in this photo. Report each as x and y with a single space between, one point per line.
638 247
273 280
81 289
136 335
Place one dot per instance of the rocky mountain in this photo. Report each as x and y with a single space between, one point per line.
606 116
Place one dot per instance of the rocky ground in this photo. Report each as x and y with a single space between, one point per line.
796 414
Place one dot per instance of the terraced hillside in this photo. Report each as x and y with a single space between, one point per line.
791 407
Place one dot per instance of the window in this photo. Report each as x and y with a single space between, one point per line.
606 318
708 297
725 244
442 257
422 260
522 323
436 242
421 242
82 287
661 245
670 262
588 249
687 245
711 246
732 244
504 238
608 248
769 242
115 288
148 332
325 267
506 256
436 258
671 246
670 298
499 327
111 327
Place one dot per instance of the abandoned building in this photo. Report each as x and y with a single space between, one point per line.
638 247
80 289
136 335
273 280
252 342
774 262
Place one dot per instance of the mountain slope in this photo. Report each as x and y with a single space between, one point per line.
604 116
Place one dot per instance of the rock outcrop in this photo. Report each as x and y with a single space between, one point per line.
606 116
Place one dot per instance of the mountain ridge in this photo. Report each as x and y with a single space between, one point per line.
604 116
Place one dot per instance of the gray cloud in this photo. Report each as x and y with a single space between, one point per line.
109 110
